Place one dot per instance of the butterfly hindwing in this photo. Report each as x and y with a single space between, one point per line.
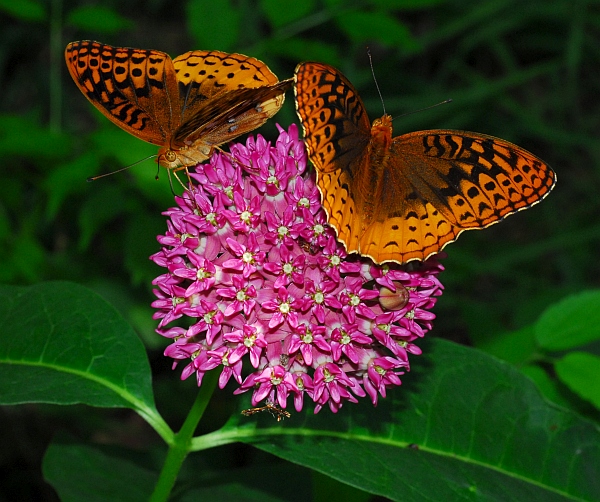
239 111
473 179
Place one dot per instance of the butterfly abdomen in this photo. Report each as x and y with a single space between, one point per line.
372 177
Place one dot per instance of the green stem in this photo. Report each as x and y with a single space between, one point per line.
182 441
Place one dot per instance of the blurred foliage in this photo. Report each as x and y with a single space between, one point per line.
523 71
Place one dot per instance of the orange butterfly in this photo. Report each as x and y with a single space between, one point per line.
188 105
404 198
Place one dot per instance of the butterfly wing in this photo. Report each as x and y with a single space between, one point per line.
334 119
205 76
442 182
337 133
237 112
134 88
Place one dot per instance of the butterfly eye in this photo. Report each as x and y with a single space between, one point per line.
171 156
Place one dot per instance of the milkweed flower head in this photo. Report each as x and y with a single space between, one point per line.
258 288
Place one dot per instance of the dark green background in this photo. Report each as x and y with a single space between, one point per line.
528 72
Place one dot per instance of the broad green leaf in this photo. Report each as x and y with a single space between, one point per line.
101 206
27 10
213 25
282 13
549 387
22 136
580 371
98 18
63 344
463 426
377 26
572 322
110 140
516 347
81 472
231 491
101 473
68 179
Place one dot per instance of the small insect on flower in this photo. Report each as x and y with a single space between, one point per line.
273 409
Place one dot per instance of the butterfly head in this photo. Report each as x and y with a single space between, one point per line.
180 158
384 122
381 132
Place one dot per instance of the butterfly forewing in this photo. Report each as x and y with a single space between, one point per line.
336 131
334 119
405 198
136 89
205 76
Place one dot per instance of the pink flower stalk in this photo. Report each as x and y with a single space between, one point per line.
255 274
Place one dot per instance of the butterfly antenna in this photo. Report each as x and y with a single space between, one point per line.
445 102
375 79
94 178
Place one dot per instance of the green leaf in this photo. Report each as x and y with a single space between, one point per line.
463 426
377 26
516 347
301 49
213 25
27 256
281 13
22 136
110 140
232 491
406 4
68 179
548 386
27 10
63 344
80 472
98 19
580 372
140 243
102 206
573 322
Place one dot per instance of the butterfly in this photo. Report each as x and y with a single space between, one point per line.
188 105
404 198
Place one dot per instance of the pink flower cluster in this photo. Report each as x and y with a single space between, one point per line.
253 272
